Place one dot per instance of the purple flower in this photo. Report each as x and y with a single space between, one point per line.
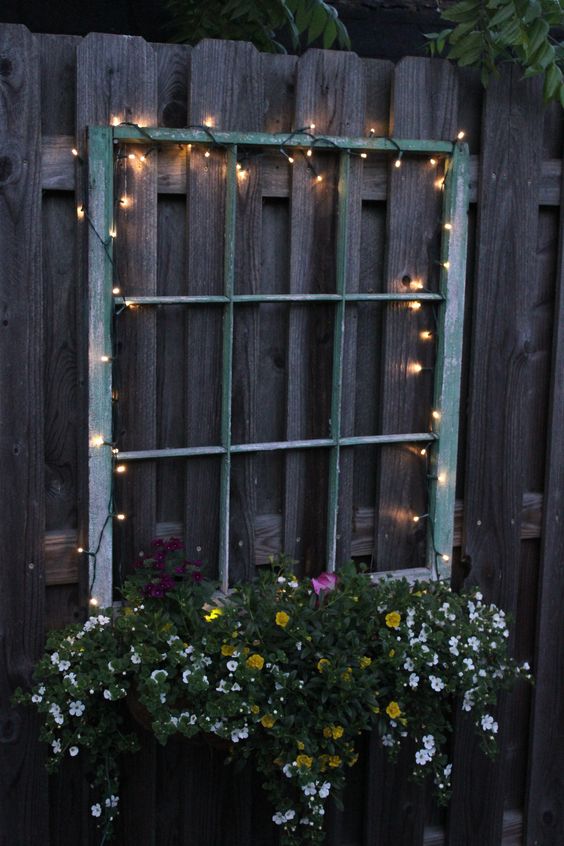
325 582
197 577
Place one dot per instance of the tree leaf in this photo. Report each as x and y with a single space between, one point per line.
502 15
317 24
330 34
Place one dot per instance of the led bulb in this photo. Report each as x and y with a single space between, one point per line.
291 159
461 135
238 166
372 132
207 154
120 516
80 549
436 415
116 290
416 285
120 468
93 601
113 233
312 126
74 151
364 155
414 305
445 557
448 226
319 178
309 153
446 265
426 335
417 368
432 161
132 156
416 518
441 478
142 158
124 201
115 121
423 451
115 450
208 122
97 441
80 212
397 163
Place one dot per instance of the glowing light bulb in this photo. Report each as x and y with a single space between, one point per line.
416 285
441 478
142 158
115 121
113 233
74 151
208 122
416 518
105 358
372 132
120 468
207 154
364 155
433 161
417 368
80 212
448 226
439 183
426 335
445 557
312 126
132 156
461 135
436 415
291 159
423 451
319 178
80 549
93 601
115 450
238 166
242 174
97 441
446 265
116 290
120 516
309 153
414 305
397 163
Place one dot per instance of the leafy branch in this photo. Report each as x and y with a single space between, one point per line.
260 21
488 33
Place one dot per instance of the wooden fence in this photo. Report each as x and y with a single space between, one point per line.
509 523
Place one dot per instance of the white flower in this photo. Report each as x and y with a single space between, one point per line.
71 677
299 646
413 680
428 741
96 810
448 770
473 643
103 621
36 698
290 815
135 658
489 724
468 701
232 666
422 757
107 694
112 801
55 658
163 698
278 818
525 666
235 686
73 751
469 664
293 584
287 770
155 675
76 709
436 683
387 740
56 745
453 646
324 790
408 665
63 666
309 789
281 580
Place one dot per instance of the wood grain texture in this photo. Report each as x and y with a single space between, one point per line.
545 781
413 226
507 232
23 797
116 80
328 94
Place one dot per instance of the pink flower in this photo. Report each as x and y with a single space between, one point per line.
324 582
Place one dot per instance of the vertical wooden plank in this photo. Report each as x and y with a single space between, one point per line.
413 222
116 80
424 105
544 813
23 805
329 94
507 224
226 90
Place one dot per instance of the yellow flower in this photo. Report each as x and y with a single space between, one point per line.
300 745
391 653
347 675
335 761
235 633
365 662
337 732
393 619
352 760
268 721
322 664
255 709
282 619
393 710
304 761
327 731
255 662
227 649
214 613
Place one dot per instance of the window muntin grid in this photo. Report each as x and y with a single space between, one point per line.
449 301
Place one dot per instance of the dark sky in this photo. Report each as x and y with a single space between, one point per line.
383 30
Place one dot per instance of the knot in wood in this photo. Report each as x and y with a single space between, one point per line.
6 168
5 66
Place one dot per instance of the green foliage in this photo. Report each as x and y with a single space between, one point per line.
487 33
258 21
288 672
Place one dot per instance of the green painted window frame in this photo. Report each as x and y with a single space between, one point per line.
449 301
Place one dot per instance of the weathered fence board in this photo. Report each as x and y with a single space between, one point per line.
22 494
508 200
545 781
